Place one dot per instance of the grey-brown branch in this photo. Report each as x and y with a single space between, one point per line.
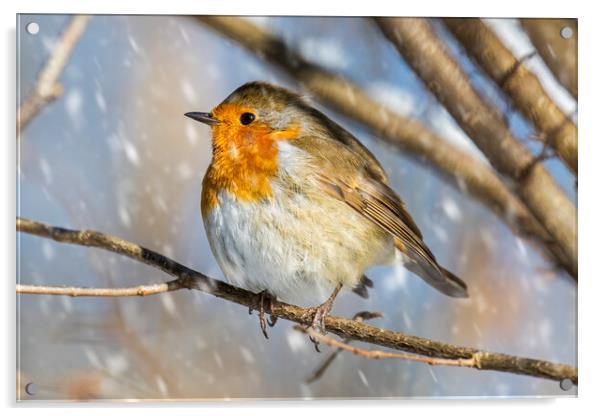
522 86
425 53
187 278
559 54
47 87
457 167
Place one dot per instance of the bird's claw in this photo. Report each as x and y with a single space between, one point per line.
260 306
318 324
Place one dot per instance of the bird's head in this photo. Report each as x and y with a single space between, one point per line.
253 118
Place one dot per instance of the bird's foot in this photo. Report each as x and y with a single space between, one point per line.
319 314
260 305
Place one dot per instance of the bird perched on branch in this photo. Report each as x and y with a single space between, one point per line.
296 208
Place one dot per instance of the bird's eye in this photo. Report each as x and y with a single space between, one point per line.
247 118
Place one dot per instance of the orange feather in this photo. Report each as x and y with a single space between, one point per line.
245 158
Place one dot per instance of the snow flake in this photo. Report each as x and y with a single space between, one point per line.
395 98
46 170
161 385
100 101
134 44
326 52
451 209
296 341
73 105
124 216
117 364
47 250
188 91
168 304
363 377
191 133
131 152
247 355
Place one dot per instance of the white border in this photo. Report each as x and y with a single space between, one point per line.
589 189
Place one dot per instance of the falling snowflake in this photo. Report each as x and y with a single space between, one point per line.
451 209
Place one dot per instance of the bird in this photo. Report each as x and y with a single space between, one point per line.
295 208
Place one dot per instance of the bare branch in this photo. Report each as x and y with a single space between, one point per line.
345 328
523 87
359 317
558 53
47 86
460 169
428 56
143 290
460 362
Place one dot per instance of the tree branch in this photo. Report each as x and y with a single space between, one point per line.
359 317
524 88
457 167
47 86
74 291
427 55
560 55
473 362
346 328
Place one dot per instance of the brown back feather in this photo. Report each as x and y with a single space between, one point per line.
349 172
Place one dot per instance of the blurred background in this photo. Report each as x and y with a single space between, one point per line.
115 153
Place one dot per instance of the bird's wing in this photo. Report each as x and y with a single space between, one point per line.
349 172
336 137
378 202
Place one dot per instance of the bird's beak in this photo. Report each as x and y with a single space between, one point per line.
206 118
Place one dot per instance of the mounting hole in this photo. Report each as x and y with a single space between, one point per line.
31 389
566 384
32 28
566 32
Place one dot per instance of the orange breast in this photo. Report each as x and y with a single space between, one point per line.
248 177
245 160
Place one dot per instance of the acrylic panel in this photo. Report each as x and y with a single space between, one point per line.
470 122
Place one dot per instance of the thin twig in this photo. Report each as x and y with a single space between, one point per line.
47 87
427 55
345 328
457 167
473 362
359 317
75 291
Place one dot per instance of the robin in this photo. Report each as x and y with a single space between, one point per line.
296 208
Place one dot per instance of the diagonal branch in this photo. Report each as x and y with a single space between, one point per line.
522 86
47 86
422 49
473 362
457 167
319 372
559 54
345 328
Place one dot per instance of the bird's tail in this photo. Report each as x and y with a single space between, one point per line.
432 273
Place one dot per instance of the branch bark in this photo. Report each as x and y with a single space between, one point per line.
558 53
47 87
319 372
187 278
74 291
427 55
524 88
473 362
457 167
